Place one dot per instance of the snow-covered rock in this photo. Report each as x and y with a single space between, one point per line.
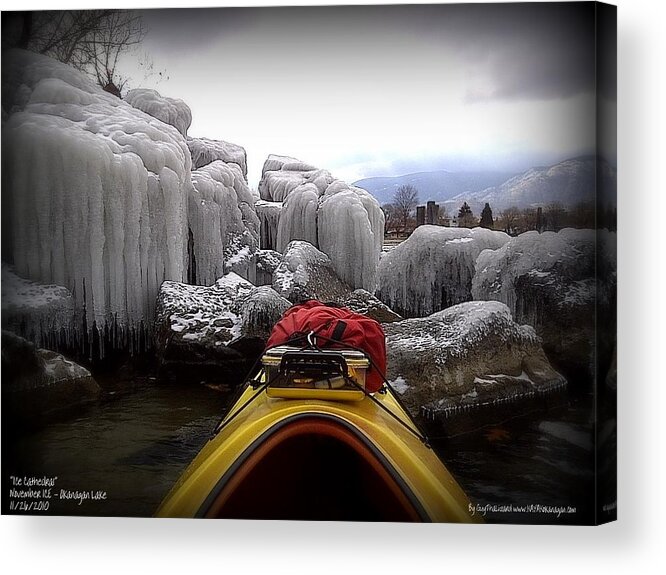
224 226
205 151
171 111
36 381
548 281
215 333
42 314
433 268
269 219
343 221
306 273
95 192
196 327
267 263
471 354
363 302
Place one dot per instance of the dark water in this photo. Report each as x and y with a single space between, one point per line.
535 465
134 443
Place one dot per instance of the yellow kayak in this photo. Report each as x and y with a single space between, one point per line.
315 454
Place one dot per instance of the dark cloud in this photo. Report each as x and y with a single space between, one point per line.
509 51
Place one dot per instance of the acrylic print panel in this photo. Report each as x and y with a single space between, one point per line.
340 263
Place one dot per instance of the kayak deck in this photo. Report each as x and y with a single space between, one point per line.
317 459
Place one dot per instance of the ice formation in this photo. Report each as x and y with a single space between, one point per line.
96 191
171 111
306 273
433 268
224 226
205 151
469 354
102 200
565 257
267 263
343 221
38 313
298 217
269 218
563 284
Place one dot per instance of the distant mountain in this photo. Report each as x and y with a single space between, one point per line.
439 185
568 183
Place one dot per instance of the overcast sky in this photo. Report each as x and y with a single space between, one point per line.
384 90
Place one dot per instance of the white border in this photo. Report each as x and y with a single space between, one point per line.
99 545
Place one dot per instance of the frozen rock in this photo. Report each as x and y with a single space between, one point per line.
269 219
345 232
267 263
36 381
363 302
298 217
343 221
469 355
548 281
433 268
42 314
95 191
276 162
171 111
306 273
205 151
261 309
224 225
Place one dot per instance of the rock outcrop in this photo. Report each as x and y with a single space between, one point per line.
213 334
306 273
469 355
37 381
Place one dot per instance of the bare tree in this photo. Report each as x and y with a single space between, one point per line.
89 40
509 221
405 200
392 220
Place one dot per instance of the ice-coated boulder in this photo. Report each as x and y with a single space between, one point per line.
363 302
171 111
267 263
433 268
205 151
469 355
213 334
269 219
548 281
223 223
261 309
343 221
306 273
42 314
36 381
95 192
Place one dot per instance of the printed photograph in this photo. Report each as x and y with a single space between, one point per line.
341 263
